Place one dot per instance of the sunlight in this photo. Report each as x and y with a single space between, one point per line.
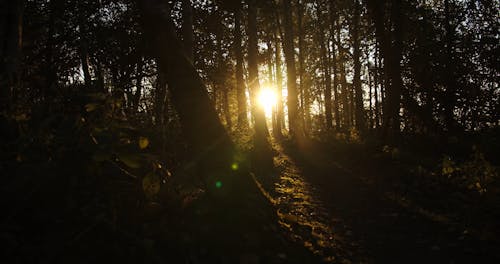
267 99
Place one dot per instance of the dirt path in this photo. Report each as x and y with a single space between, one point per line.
343 219
305 216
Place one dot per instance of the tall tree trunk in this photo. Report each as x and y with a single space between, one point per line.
227 110
370 101
11 35
346 110
279 86
50 72
84 57
292 101
376 84
187 29
303 89
377 11
271 78
336 101
84 44
212 148
240 84
160 97
451 83
220 80
260 126
360 120
138 84
396 80
326 72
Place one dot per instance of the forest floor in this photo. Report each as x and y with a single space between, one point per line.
348 212
326 202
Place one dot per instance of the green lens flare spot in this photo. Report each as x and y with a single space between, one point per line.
218 184
234 166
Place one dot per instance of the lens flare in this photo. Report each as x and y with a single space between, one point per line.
267 100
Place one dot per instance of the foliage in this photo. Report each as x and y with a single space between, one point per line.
476 173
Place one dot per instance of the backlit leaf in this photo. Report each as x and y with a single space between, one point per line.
143 142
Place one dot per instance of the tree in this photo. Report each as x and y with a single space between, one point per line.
11 37
326 70
213 149
360 119
292 97
187 29
260 126
240 85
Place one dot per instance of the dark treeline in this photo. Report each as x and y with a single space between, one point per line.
425 67
116 106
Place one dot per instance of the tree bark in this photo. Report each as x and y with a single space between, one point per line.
326 72
11 35
375 85
360 120
260 126
336 111
211 146
240 84
84 45
187 29
138 83
451 83
292 100
279 87
396 80
391 84
304 90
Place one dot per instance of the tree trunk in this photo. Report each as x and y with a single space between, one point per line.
279 86
292 101
84 44
187 29
327 78
396 80
343 81
269 57
220 80
451 83
212 148
375 85
51 77
84 56
260 126
377 10
360 120
304 90
240 84
138 84
227 110
11 33
336 99
160 97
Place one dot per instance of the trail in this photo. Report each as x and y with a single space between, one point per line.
342 218
305 216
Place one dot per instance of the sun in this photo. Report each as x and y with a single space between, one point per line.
267 100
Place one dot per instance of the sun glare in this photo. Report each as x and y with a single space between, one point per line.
267 100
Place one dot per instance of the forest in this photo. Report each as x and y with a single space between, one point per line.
250 131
